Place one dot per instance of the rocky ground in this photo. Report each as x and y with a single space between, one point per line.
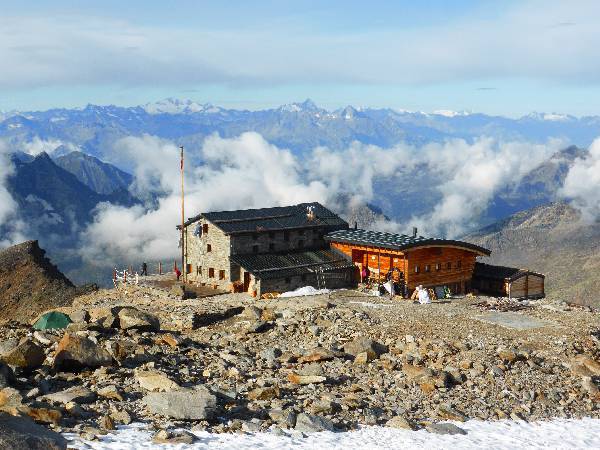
334 361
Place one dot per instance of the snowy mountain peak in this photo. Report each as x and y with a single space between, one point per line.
306 106
177 106
450 113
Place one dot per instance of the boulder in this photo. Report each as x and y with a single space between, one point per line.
21 433
111 392
585 366
11 401
27 355
76 394
185 404
401 422
155 381
309 423
264 393
305 379
316 355
132 318
80 315
251 313
78 352
363 344
6 375
179 290
445 428
7 346
174 437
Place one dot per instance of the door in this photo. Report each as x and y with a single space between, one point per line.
246 281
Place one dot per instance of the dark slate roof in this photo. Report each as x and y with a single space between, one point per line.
282 265
396 241
269 219
501 272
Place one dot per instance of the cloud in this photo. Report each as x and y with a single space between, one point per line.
249 172
10 225
519 42
582 183
243 172
37 145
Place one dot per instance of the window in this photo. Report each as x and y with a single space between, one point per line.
255 249
288 281
438 267
205 228
416 269
449 266
199 270
208 248
427 268
286 236
300 244
188 268
221 274
211 272
459 264
271 246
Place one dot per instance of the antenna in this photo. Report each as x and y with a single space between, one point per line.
183 246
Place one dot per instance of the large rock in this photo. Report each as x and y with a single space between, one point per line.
26 355
185 404
6 375
363 344
132 318
445 428
77 394
155 381
21 433
309 423
585 366
78 352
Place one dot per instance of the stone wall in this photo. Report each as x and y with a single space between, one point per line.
277 241
342 278
200 260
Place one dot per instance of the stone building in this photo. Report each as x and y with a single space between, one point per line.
265 250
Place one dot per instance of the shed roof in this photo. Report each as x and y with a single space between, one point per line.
282 265
398 242
276 218
501 272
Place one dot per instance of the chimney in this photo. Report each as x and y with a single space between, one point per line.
356 225
414 232
310 212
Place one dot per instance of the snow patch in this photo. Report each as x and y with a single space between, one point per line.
558 433
306 290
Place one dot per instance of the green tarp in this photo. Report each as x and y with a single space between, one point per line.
53 319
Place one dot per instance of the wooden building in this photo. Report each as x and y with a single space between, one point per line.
265 250
508 282
419 260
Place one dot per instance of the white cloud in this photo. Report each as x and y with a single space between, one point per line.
519 41
249 172
37 145
582 183
10 226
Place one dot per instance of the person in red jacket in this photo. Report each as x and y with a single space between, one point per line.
177 273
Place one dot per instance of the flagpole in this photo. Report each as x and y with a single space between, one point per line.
183 266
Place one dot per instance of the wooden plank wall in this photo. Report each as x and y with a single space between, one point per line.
462 264
530 285
457 277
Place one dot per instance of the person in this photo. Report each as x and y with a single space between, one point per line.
144 269
365 274
177 273
423 295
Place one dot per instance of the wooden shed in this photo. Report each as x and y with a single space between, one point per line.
429 262
508 282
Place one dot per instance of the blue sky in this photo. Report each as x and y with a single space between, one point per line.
508 57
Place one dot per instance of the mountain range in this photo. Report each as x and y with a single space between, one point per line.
297 126
58 191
